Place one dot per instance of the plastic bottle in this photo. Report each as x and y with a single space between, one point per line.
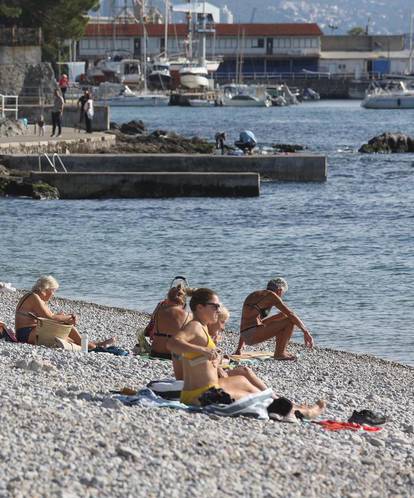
84 342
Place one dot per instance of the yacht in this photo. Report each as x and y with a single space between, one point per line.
194 76
160 75
396 95
117 66
128 98
239 95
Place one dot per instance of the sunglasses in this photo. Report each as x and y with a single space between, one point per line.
216 305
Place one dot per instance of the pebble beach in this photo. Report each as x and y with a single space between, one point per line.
64 435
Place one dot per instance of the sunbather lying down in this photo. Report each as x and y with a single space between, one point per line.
201 361
35 303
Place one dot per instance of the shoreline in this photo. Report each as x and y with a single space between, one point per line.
71 438
144 317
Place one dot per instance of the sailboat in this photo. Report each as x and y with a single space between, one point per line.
194 74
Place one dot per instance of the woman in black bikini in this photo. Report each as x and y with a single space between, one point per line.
255 327
168 318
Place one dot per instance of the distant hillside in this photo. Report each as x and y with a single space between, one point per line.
391 17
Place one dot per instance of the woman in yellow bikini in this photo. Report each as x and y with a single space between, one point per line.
200 355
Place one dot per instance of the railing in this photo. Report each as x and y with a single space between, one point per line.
52 162
9 103
300 76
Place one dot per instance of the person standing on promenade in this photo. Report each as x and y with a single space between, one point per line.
89 113
57 113
63 85
81 104
255 327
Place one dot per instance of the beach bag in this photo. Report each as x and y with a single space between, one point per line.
47 330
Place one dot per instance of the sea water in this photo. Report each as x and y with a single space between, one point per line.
345 246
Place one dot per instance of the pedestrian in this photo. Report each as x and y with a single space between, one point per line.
57 113
220 139
63 85
89 113
41 125
81 104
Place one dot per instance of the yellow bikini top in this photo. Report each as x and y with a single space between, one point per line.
210 344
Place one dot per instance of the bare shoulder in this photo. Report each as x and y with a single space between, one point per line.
255 296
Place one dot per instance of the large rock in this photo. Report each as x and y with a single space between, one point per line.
11 127
389 143
133 128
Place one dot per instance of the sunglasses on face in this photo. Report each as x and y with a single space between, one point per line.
215 305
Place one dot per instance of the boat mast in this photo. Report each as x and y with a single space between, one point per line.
166 15
410 58
144 50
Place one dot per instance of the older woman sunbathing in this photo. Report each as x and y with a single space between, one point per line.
201 359
35 304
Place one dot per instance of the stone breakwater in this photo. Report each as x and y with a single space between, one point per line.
63 436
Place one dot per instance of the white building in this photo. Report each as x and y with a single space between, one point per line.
226 15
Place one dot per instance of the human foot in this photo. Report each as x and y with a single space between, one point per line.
108 342
312 411
285 357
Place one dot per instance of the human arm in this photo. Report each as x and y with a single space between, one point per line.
184 342
42 310
293 317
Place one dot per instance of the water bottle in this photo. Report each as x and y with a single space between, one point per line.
84 342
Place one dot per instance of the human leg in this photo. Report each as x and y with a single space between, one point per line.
311 411
281 329
177 366
237 386
54 122
76 338
59 122
250 376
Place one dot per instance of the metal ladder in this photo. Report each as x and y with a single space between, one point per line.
52 162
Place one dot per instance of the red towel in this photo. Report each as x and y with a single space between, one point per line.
335 425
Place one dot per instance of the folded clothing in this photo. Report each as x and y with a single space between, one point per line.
335 425
111 349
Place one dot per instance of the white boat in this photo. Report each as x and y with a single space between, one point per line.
395 96
194 76
117 66
128 98
239 95
201 103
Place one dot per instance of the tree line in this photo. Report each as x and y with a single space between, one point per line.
59 19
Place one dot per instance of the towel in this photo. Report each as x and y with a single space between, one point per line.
254 405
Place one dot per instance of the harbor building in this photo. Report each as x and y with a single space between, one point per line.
253 50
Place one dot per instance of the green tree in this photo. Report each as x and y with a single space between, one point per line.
8 13
59 19
357 31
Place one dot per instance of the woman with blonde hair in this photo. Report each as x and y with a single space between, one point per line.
35 304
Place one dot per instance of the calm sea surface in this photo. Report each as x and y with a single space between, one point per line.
346 246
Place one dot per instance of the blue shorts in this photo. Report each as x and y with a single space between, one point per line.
23 333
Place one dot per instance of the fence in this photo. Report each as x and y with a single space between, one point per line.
9 103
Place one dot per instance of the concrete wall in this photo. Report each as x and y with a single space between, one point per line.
289 167
363 43
132 185
100 120
85 144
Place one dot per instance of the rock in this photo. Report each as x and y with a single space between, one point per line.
133 128
111 403
4 171
288 147
379 443
409 428
126 452
388 143
43 191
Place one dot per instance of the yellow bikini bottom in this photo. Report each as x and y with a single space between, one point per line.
191 397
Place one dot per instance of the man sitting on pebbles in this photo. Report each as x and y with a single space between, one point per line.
34 304
201 361
255 327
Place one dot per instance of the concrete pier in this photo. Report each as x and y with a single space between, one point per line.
156 184
283 167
